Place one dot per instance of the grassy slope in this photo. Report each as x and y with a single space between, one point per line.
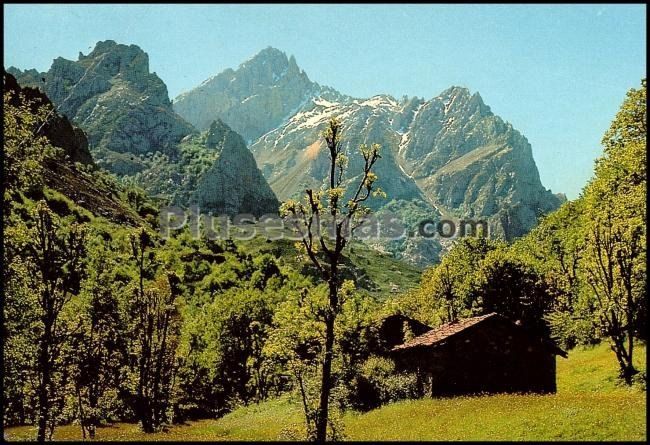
375 271
588 406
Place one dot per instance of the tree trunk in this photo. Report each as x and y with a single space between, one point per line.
145 416
44 387
92 418
143 402
82 417
628 372
305 406
323 412
326 381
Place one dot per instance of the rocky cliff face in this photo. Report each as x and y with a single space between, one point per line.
123 108
233 184
254 99
294 156
214 170
471 163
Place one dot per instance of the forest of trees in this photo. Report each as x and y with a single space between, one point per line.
105 322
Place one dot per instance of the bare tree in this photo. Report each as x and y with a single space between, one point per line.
326 252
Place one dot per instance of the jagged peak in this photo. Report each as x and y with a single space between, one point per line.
274 61
14 71
278 61
292 61
108 43
104 46
218 132
123 55
455 91
378 100
456 96
62 61
270 51
218 125
267 54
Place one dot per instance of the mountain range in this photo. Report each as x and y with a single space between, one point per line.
448 156
133 132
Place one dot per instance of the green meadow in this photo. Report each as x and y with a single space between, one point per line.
589 405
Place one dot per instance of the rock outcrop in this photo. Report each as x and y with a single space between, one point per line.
57 129
233 184
123 108
450 151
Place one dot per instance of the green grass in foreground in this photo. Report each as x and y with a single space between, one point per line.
589 405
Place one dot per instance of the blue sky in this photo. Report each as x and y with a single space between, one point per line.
558 73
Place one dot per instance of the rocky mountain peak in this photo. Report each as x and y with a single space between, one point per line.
115 59
460 99
103 46
272 57
450 152
253 99
292 63
455 91
268 67
233 184
267 54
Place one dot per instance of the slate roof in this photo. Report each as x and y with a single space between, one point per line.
443 332
447 330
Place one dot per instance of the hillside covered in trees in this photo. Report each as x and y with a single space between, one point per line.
107 321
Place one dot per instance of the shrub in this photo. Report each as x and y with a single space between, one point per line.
377 383
569 329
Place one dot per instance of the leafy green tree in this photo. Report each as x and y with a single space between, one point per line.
615 258
378 383
156 329
511 288
23 154
294 345
54 254
100 346
237 322
24 149
228 317
447 291
555 248
19 336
